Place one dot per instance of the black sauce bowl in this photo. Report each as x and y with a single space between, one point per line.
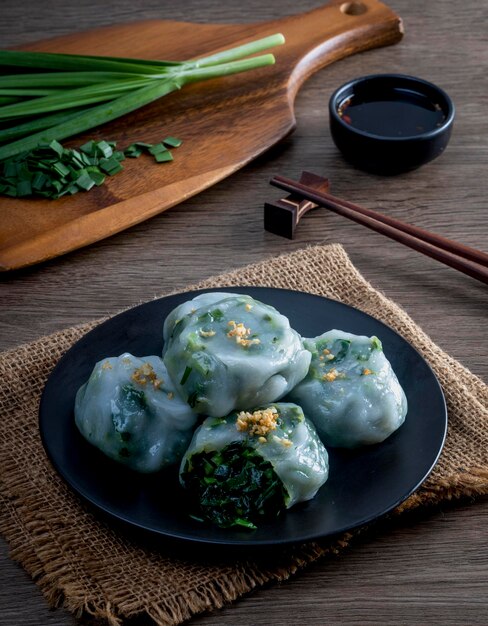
385 154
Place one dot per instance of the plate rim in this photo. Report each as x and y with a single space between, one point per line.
234 543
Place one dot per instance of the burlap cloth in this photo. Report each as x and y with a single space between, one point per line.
81 562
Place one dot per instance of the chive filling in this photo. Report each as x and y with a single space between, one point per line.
234 486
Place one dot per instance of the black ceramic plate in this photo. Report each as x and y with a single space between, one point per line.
363 484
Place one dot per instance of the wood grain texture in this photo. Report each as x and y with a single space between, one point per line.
239 116
426 570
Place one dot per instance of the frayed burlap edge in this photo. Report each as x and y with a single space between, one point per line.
464 475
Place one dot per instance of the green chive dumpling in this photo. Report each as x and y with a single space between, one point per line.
190 306
251 465
351 392
232 353
130 410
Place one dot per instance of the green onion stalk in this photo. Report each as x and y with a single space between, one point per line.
60 95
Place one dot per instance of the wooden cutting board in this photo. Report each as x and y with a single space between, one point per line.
224 122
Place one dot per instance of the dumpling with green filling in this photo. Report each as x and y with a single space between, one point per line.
130 410
232 353
351 392
190 306
251 465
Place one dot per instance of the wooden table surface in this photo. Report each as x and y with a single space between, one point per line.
431 568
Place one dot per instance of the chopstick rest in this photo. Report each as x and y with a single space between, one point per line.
282 216
468 260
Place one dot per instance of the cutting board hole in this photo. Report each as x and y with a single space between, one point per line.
353 8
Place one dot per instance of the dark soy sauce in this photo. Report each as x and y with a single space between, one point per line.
394 113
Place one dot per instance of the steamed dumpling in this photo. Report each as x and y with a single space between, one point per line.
190 306
232 352
351 392
130 410
253 464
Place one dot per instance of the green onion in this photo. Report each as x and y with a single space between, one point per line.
64 95
72 62
30 92
26 128
172 142
51 171
62 79
85 120
157 149
77 97
163 157
9 99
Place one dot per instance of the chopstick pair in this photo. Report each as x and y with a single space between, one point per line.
282 217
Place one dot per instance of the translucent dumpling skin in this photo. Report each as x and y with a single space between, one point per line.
229 351
220 465
130 410
351 392
190 306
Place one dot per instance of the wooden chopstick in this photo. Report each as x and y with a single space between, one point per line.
468 260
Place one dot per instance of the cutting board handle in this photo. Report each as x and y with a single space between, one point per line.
331 32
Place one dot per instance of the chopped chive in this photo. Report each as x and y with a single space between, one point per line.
104 148
51 171
61 169
24 188
172 142
157 148
84 180
163 157
133 152
56 146
110 166
88 147
186 374
10 170
39 180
